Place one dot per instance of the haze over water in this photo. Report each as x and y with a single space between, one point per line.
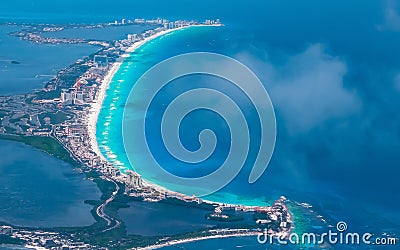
333 74
334 85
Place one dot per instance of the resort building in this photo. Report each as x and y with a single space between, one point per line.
133 180
6 230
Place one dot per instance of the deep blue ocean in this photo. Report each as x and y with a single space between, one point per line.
332 71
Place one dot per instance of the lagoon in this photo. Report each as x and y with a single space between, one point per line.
38 190
37 63
108 33
150 219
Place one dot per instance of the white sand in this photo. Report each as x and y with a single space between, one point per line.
92 121
97 105
177 242
105 84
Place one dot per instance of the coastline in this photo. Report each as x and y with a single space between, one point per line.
188 240
175 242
95 110
97 105
78 136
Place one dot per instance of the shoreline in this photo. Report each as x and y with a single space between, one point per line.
217 236
96 107
78 136
189 240
95 110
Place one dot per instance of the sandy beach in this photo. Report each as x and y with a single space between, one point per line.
105 84
96 108
92 121
101 94
178 242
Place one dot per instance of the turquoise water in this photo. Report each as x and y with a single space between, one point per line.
110 122
298 169
331 68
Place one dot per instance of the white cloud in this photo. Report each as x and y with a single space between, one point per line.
397 82
308 88
392 16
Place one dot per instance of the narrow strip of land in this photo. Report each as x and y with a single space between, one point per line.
112 223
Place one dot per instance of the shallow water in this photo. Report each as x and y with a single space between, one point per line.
339 154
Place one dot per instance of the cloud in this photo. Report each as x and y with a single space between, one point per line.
307 89
392 16
397 82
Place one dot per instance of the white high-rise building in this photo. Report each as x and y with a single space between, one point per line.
65 96
134 180
6 230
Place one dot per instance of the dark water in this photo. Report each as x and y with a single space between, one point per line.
147 218
333 97
333 74
287 174
37 190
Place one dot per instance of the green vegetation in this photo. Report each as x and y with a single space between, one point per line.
49 95
46 144
67 80
94 234
113 239
24 127
177 202
3 113
116 238
10 130
5 239
56 118
19 118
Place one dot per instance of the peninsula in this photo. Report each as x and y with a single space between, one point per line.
61 120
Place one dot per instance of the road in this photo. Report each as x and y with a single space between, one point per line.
111 222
